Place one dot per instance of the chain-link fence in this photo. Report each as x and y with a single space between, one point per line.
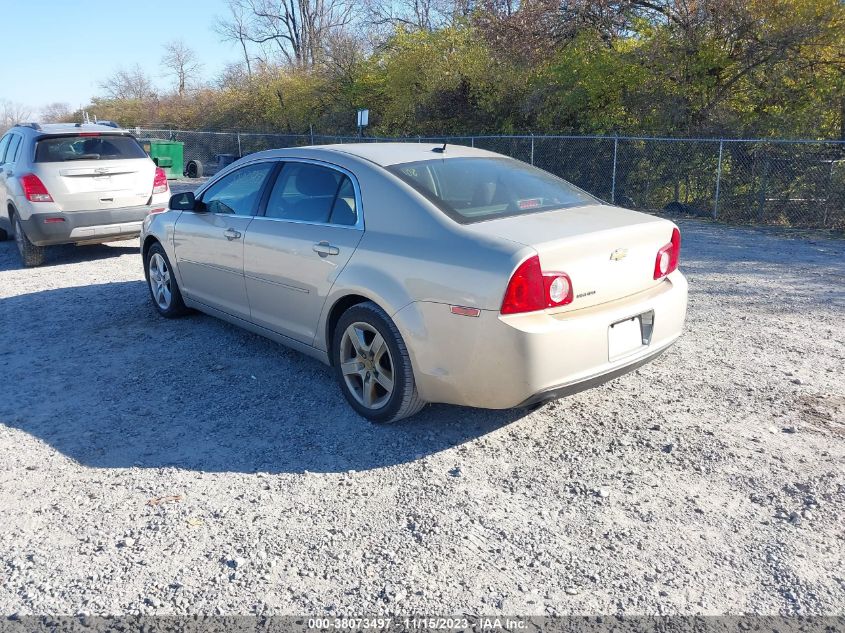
774 182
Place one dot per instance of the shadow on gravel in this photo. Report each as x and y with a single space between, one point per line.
67 253
102 378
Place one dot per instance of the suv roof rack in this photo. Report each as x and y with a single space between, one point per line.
33 125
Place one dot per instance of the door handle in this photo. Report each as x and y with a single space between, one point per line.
324 248
232 234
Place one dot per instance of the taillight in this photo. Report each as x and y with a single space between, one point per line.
531 289
668 256
34 190
160 181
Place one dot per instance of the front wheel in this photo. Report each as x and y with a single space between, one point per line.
373 366
164 290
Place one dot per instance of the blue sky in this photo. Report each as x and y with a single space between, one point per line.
60 50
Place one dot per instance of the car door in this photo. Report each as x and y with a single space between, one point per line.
293 252
208 241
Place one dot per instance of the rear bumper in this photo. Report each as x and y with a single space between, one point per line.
86 226
582 385
499 362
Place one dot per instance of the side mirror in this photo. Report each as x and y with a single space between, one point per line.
184 202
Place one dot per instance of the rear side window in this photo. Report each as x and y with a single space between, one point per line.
311 193
475 189
4 143
12 150
59 149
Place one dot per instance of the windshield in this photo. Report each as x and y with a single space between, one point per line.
476 189
58 149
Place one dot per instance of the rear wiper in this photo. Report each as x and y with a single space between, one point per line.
84 157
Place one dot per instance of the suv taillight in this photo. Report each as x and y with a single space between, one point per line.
668 256
160 181
34 190
531 289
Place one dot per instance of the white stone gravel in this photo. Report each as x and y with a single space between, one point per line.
155 466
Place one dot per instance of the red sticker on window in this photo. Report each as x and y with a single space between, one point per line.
530 203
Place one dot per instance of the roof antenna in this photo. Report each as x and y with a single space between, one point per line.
440 150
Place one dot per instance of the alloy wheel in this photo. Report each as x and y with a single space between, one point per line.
19 236
160 281
366 365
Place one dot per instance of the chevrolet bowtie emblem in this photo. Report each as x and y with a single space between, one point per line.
619 253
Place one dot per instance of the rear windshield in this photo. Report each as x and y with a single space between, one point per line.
476 189
58 149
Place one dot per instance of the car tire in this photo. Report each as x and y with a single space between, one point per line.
194 169
31 255
162 284
364 387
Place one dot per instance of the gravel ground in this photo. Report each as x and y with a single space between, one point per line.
154 466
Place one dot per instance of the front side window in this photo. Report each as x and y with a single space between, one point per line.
59 149
310 193
237 193
476 189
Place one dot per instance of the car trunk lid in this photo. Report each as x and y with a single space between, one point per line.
608 252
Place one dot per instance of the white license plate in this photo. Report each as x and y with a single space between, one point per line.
624 337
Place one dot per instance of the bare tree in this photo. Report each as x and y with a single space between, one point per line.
12 113
232 76
343 54
182 63
424 15
57 112
131 84
296 30
235 28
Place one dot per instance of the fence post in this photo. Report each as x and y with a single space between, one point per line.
613 177
240 153
311 130
532 148
472 141
718 180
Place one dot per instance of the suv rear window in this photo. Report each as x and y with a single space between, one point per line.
58 149
476 189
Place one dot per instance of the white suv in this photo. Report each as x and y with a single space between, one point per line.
74 184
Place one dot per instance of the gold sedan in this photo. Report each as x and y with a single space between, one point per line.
423 273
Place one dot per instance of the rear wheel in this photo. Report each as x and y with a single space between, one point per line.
31 255
372 365
164 290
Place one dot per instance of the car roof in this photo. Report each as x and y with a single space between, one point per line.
386 154
69 128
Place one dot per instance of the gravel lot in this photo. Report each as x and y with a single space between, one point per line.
154 466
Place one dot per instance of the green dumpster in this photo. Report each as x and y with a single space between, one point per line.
169 155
